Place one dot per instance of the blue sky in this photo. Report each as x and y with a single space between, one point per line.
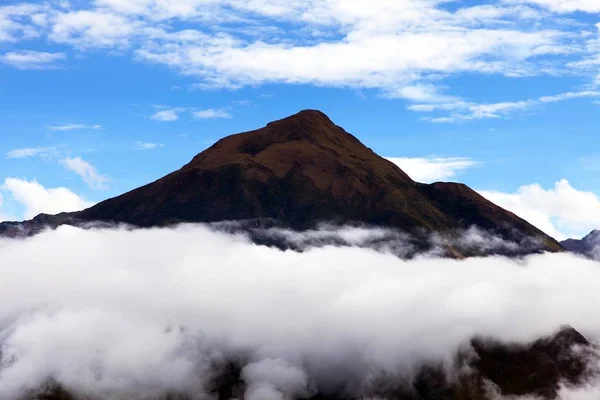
99 97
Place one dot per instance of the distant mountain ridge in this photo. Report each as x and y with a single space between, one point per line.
299 171
588 246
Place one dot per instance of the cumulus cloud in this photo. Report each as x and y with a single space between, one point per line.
433 169
29 59
37 199
561 212
86 171
163 306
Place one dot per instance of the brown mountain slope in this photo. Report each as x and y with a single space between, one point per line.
300 171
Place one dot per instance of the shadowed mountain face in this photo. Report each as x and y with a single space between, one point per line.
588 246
300 171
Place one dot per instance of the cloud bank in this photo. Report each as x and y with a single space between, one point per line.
37 199
562 212
161 307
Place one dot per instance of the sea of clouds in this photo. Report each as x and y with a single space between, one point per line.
115 313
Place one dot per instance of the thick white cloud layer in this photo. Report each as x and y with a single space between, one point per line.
115 312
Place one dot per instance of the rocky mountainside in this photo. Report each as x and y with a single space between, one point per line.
588 246
300 171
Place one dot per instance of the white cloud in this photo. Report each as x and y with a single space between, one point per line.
36 199
166 115
338 43
433 169
364 59
421 93
569 95
159 310
465 111
92 28
147 145
28 59
211 113
86 171
31 152
20 22
72 127
3 216
561 212
563 6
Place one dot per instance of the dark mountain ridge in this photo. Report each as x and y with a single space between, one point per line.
589 246
298 171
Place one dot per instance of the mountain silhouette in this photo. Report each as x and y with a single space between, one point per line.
588 246
299 171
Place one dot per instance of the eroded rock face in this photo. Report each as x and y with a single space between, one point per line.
300 171
488 369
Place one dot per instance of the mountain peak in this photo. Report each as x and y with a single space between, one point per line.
300 171
307 115
307 137
306 125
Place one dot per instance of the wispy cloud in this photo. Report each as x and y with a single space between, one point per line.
169 113
465 111
435 42
166 115
72 127
21 21
433 169
31 152
86 171
563 6
211 113
147 145
569 95
36 60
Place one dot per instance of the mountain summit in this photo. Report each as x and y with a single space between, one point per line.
300 171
